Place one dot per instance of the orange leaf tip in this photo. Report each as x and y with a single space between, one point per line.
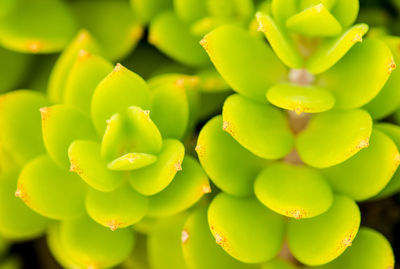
113 225
392 66
204 43
184 236
178 166
206 188
363 144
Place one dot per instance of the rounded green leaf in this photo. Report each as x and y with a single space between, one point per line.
346 11
164 243
61 125
86 161
280 41
172 36
131 161
185 190
283 9
293 191
393 131
321 239
315 21
260 128
170 104
131 132
50 190
199 248
331 50
21 133
13 68
57 248
83 78
37 26
155 177
245 62
60 72
230 166
17 221
116 209
368 172
190 11
300 99
245 229
356 79
333 137
112 23
93 245
119 90
388 99
370 250
147 9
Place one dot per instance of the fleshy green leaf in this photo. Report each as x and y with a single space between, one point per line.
155 177
166 235
245 62
60 72
116 209
132 161
86 161
314 21
37 26
199 248
300 99
147 9
346 11
370 250
93 245
283 9
331 50
21 133
170 104
172 36
333 137
321 239
356 79
50 190
388 99
368 172
279 41
119 90
293 191
245 229
112 23
83 78
393 131
190 10
131 132
61 125
230 166
17 221
185 190
57 248
260 128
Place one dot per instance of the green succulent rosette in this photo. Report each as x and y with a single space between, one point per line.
103 158
176 27
298 140
48 26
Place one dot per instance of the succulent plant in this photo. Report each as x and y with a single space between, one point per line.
98 158
312 162
104 163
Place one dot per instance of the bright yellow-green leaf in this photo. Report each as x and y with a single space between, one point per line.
260 128
246 63
308 99
333 137
280 41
